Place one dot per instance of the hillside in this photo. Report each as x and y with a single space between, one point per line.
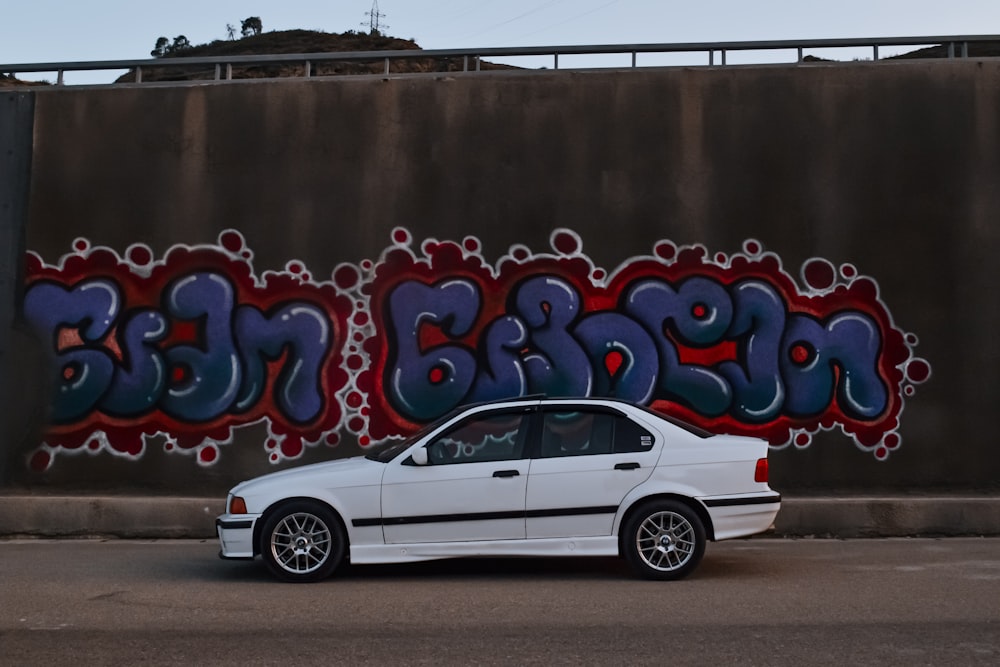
302 41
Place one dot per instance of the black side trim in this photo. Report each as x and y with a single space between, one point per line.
732 502
482 516
237 523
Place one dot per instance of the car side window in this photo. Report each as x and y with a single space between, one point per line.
591 432
630 437
576 433
492 437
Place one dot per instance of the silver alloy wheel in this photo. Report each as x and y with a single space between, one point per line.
665 541
301 543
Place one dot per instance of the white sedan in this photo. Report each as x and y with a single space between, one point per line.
523 477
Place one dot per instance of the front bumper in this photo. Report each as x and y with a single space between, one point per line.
235 533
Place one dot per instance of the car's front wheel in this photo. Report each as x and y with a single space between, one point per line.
302 541
663 539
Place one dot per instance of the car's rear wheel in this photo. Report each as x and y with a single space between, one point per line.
663 539
302 541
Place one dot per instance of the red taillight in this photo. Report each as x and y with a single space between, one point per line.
239 506
760 472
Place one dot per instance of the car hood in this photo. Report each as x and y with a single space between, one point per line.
354 471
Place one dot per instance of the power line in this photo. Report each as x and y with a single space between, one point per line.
516 18
571 19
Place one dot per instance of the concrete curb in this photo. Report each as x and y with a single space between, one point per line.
178 517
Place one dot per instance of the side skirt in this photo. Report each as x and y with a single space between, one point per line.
407 553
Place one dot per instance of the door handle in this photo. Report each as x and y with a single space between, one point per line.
632 465
506 473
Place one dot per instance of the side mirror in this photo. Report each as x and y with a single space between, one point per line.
419 456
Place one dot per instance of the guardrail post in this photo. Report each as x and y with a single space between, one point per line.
633 59
711 57
17 119
229 71
218 71
800 54
965 49
387 67
951 50
308 69
875 52
555 63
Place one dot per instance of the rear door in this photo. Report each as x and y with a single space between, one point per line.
587 459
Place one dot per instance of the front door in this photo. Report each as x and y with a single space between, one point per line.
472 488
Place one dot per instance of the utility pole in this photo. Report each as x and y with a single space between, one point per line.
375 26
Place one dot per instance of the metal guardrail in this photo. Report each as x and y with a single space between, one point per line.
958 47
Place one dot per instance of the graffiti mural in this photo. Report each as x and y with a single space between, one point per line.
193 345
730 343
187 348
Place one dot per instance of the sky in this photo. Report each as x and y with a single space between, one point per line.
37 31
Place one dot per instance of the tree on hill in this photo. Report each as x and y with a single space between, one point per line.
165 47
251 26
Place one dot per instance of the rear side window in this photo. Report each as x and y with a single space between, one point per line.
630 437
590 432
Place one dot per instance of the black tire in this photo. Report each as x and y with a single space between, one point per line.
663 539
302 541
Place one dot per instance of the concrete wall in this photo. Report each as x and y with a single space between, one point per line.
889 169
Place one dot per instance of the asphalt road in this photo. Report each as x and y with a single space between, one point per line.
756 602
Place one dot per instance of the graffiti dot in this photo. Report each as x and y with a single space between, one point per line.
41 461
93 445
358 336
291 448
565 242
364 441
178 373
598 274
665 250
356 424
70 371
469 451
246 254
332 439
471 244
436 375
911 339
355 399
139 254
366 265
208 454
295 268
273 457
231 240
818 274
891 440
918 371
366 411
520 253
81 245
168 447
881 453
346 276
848 271
400 236
271 443
802 353
360 319
355 362
909 390
751 247
613 362
803 440
699 311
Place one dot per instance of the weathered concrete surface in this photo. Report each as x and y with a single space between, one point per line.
162 517
892 168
